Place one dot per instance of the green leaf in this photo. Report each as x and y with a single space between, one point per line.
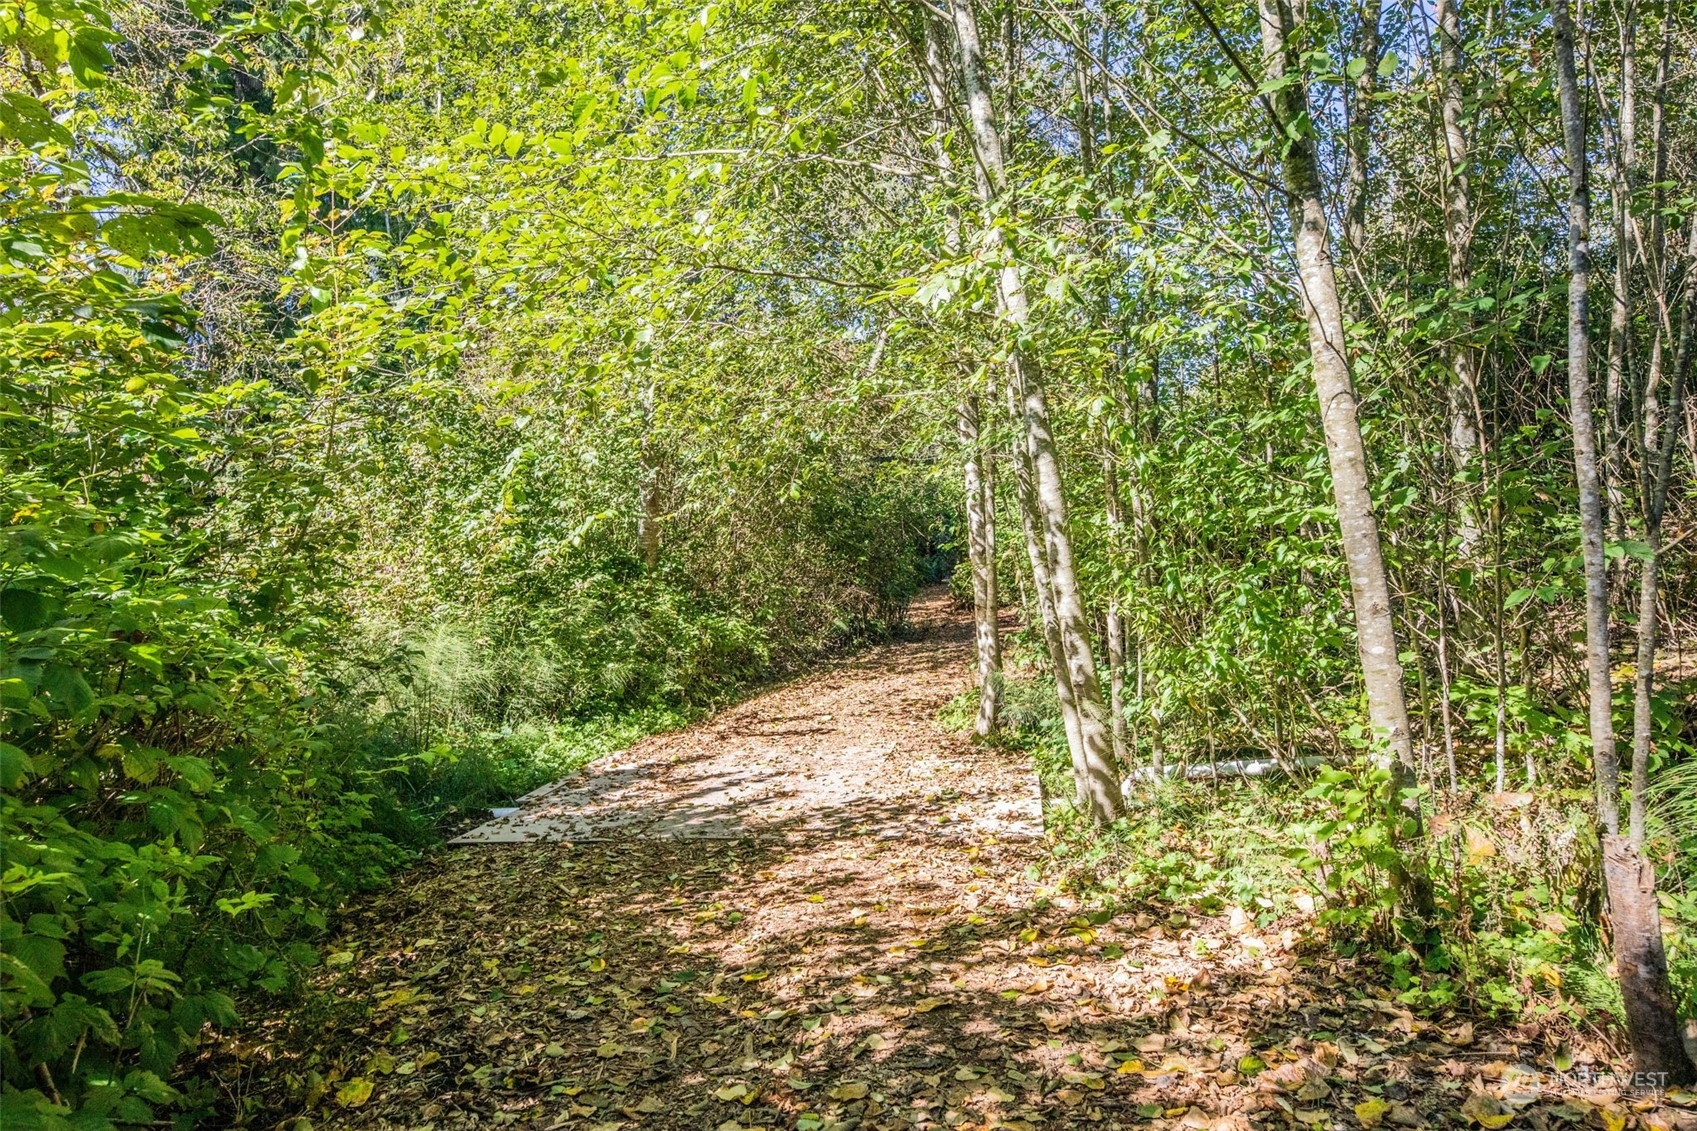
142 763
28 122
24 609
65 688
15 766
18 978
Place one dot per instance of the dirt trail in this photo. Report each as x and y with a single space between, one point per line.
851 751
812 912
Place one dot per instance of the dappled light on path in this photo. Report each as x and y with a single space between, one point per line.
851 750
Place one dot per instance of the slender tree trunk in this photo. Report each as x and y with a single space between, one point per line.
648 514
1358 150
1661 436
648 521
1375 631
1369 587
981 552
979 488
1651 1019
1465 439
1098 788
1620 207
1607 768
1114 628
1042 585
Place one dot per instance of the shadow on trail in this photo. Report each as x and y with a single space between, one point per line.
684 984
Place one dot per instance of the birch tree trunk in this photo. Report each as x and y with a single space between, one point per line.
1651 1019
981 551
1093 768
1042 585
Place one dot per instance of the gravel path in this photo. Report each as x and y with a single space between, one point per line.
851 750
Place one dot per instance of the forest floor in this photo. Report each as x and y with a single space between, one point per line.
818 910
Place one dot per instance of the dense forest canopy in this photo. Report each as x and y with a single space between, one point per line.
404 404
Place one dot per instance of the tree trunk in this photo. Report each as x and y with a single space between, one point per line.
1652 1022
1620 206
1607 769
1374 628
1113 627
1098 788
1465 360
1042 585
979 488
648 512
981 552
1358 149
1375 631
1661 437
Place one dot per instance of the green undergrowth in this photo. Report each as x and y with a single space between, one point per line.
490 769
1515 876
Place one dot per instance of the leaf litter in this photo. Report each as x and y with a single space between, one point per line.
843 978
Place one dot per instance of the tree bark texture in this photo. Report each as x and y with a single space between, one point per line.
981 554
1098 786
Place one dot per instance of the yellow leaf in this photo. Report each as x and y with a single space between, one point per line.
1614 1119
609 1049
596 965
757 975
1490 1114
1371 1112
855 1091
926 1005
731 1092
355 1092
816 898
1129 1066
1479 845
